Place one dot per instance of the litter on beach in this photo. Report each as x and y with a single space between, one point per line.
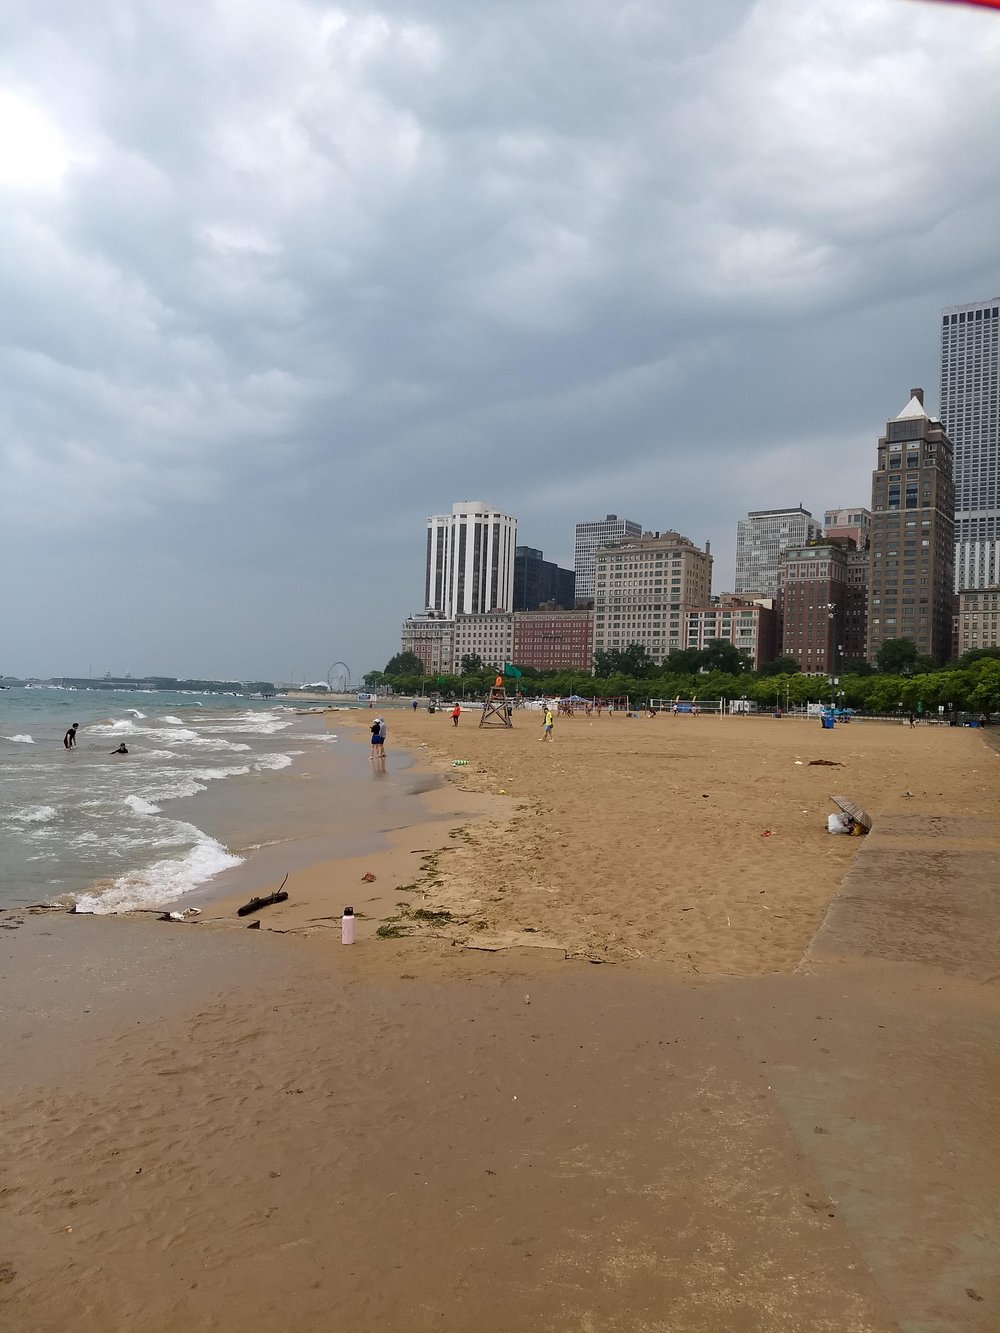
860 822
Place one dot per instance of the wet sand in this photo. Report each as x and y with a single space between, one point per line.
254 1128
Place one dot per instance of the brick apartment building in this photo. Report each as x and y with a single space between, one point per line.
747 623
553 640
813 587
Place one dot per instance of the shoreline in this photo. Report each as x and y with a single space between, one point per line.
460 855
215 1128
323 880
324 869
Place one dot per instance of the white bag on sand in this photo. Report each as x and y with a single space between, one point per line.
838 823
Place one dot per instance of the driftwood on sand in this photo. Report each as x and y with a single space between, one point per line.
255 904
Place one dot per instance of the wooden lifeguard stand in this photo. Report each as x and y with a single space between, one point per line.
497 711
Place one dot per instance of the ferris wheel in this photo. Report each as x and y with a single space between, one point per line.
338 678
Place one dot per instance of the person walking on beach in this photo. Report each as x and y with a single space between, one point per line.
456 713
378 739
69 740
546 726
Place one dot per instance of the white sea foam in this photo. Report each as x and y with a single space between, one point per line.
213 774
251 724
174 786
176 736
271 763
171 785
140 806
210 743
21 740
122 726
36 814
163 881
174 721
135 712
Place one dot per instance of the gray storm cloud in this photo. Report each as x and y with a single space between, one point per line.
280 279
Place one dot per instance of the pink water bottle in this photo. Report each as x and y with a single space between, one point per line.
347 926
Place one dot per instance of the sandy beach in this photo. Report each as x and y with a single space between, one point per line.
696 843
770 1110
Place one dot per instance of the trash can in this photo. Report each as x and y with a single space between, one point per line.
827 722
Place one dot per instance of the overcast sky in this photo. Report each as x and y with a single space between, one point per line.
280 278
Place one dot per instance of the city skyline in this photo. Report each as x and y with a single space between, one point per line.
259 326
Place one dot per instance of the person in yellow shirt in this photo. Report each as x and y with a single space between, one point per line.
546 726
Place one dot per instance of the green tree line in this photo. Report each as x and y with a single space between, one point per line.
900 679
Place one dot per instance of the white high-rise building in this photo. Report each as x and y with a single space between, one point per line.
470 560
970 414
594 537
762 539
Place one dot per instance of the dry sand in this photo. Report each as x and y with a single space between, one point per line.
776 1115
698 843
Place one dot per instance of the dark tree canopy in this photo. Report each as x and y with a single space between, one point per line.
979 655
857 666
683 661
633 661
899 657
721 655
780 666
404 664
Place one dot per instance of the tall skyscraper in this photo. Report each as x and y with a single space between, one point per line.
470 560
762 539
538 581
590 538
970 413
643 588
913 535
